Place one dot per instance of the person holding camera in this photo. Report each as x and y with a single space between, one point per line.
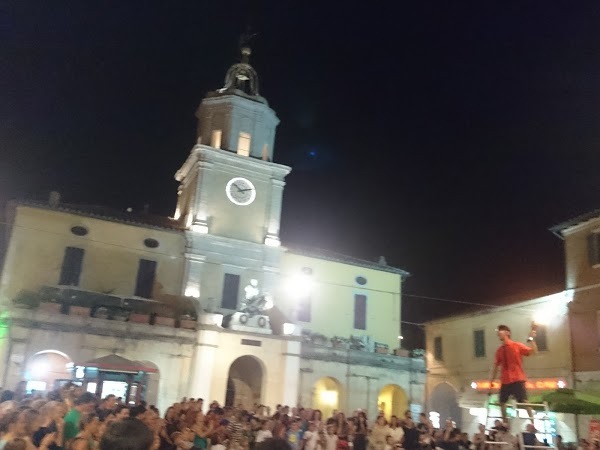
509 357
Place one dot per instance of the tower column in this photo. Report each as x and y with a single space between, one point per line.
203 364
200 222
272 237
291 373
192 282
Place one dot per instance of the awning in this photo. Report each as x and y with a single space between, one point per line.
116 363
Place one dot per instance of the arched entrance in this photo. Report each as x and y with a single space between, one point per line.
244 383
46 369
392 401
326 395
443 402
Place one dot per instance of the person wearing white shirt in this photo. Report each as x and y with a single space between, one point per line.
264 432
331 439
310 437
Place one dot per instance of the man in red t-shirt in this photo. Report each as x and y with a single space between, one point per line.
509 357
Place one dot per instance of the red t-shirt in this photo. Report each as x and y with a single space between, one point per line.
509 357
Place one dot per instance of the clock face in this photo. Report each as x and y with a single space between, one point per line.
240 191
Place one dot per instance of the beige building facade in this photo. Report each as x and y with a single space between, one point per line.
460 349
460 352
207 303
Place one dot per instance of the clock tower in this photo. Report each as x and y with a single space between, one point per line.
230 192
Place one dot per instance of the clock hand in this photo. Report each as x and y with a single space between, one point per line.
237 187
244 190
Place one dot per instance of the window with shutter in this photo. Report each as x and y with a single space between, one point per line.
479 343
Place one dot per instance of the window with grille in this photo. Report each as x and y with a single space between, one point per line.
70 272
360 312
479 343
437 348
145 278
231 290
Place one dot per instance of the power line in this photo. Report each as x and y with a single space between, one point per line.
462 302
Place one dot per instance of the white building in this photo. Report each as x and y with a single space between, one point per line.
122 282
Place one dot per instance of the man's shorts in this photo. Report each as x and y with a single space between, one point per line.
516 390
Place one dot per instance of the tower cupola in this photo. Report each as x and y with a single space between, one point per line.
236 117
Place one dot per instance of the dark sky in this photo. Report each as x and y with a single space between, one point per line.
447 136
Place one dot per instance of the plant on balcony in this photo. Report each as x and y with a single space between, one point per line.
318 339
27 299
339 341
418 353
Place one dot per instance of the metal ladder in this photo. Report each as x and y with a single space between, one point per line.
520 432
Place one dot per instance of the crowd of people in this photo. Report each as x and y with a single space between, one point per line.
74 420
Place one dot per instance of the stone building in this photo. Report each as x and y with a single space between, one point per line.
206 303
460 349
460 354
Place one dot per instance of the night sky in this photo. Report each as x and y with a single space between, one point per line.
447 136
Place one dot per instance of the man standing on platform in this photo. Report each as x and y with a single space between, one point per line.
509 357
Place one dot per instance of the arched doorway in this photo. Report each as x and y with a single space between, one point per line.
45 370
443 402
326 395
392 401
244 383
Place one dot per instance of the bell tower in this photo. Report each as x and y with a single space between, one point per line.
230 193
236 118
229 185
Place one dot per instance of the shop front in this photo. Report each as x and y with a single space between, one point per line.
132 381
480 402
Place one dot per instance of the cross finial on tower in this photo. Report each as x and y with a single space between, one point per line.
244 44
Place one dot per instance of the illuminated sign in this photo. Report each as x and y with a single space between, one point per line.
547 384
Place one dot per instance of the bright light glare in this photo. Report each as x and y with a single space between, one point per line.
272 241
542 317
299 286
39 369
561 384
400 337
192 291
329 397
288 328
473 385
35 386
199 228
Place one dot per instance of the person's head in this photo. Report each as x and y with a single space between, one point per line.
312 426
330 429
423 417
295 426
108 402
9 421
503 332
171 413
27 423
53 411
381 421
127 434
85 403
88 424
481 428
530 428
16 444
317 414
274 443
393 421
121 412
408 414
362 416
